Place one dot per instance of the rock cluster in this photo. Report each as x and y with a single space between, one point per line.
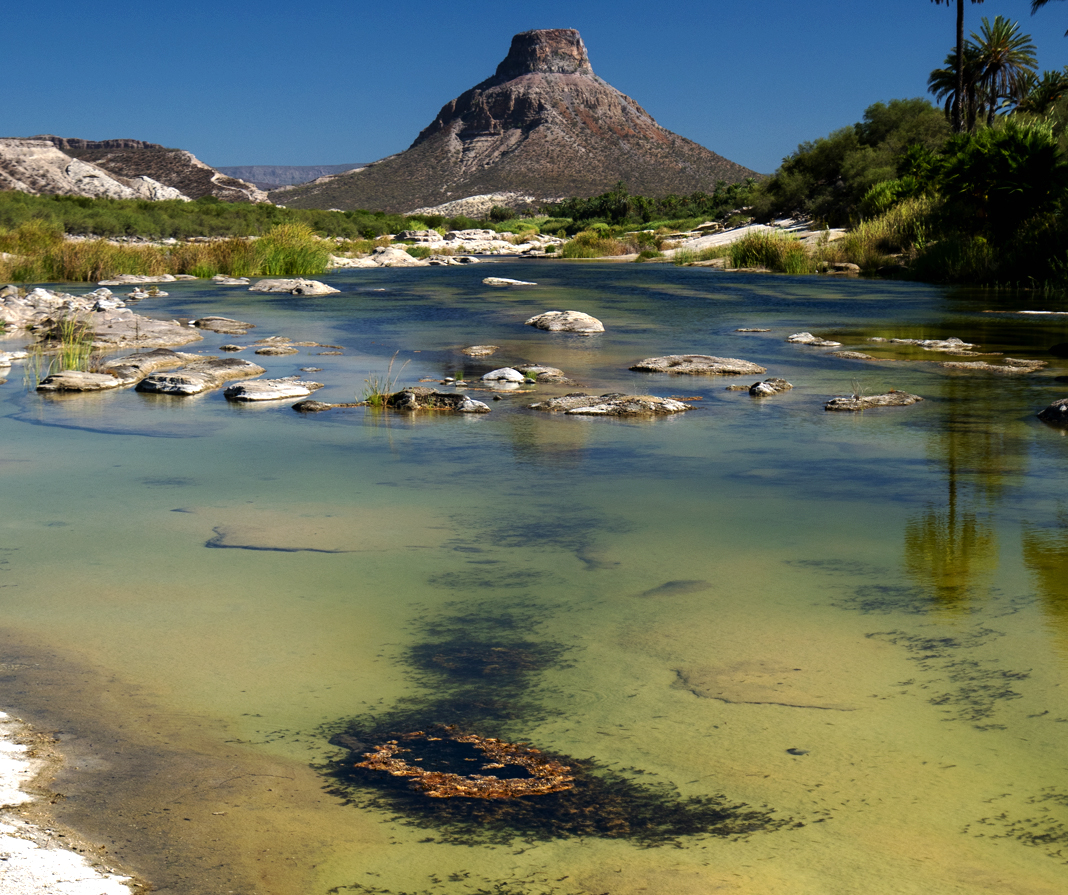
200 376
421 398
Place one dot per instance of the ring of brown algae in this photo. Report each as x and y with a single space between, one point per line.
541 775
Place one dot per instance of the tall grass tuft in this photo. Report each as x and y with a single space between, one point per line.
905 228
597 244
66 345
773 250
291 250
377 388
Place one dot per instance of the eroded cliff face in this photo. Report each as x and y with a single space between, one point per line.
115 169
544 124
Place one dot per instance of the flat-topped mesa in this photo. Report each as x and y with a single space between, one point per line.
552 51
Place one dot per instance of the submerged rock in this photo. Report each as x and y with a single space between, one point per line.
814 341
1009 366
893 398
611 405
769 387
271 389
1056 414
505 281
480 350
698 364
199 377
566 322
223 325
294 286
422 398
852 355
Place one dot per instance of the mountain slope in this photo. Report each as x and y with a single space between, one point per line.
544 125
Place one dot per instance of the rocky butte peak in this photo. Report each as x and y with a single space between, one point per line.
553 51
543 126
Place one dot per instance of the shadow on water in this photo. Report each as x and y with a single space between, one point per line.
478 671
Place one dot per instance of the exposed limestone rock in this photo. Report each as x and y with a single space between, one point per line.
505 374
36 166
199 377
223 280
7 358
1056 414
271 389
135 367
952 345
137 279
769 387
313 406
752 329
422 398
505 281
566 322
698 364
814 341
79 381
480 350
224 325
893 398
294 286
542 373
614 404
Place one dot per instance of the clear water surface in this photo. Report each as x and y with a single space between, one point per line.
857 623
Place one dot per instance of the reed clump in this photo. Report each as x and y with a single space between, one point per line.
598 243
34 252
66 345
772 250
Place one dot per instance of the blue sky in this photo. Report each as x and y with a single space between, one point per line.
331 82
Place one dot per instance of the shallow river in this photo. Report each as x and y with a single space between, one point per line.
786 651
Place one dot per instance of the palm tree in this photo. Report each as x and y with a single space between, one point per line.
943 83
959 63
1036 5
1006 58
1039 94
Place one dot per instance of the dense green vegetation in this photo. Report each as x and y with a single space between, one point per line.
206 217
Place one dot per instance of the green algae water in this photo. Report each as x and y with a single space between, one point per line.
784 650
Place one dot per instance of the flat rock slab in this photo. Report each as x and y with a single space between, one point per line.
222 280
1009 367
698 364
862 402
852 355
224 325
135 367
752 329
611 405
951 345
79 381
271 389
542 373
200 377
133 279
7 358
422 398
755 682
122 328
295 286
480 350
769 387
814 341
566 322
505 281
1056 414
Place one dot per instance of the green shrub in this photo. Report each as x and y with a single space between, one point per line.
773 250
291 250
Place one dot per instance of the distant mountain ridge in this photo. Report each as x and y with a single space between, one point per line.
544 125
117 169
271 177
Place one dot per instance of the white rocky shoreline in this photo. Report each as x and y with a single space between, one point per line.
36 859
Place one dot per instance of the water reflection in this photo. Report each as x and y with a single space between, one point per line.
951 546
1045 553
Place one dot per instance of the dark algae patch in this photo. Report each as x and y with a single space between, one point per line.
1045 827
454 759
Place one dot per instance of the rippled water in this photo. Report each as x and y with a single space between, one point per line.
854 624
